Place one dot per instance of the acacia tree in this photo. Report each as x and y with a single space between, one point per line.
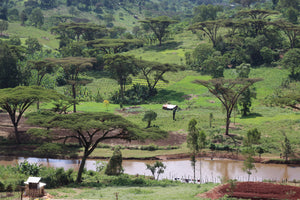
292 31
90 129
157 168
111 46
42 68
73 67
287 97
17 100
120 68
149 116
209 28
159 26
154 72
228 92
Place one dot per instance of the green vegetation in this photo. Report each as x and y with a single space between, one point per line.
126 59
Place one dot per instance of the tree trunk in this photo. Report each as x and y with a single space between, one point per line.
74 97
122 96
227 124
80 171
17 134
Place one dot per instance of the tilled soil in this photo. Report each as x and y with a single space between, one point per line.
254 190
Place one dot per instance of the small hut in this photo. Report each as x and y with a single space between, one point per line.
34 188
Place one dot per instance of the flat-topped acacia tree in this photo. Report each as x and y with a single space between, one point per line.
92 128
159 26
112 46
154 72
228 92
15 101
72 67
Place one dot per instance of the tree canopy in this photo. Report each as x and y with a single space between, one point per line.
228 92
15 101
72 67
92 128
159 26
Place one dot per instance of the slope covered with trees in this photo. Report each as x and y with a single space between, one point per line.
130 57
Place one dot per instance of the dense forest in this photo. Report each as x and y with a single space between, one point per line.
102 69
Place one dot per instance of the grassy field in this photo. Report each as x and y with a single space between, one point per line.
177 192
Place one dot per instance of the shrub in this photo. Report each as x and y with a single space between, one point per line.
2 187
29 169
114 166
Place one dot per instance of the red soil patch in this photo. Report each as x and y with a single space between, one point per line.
254 190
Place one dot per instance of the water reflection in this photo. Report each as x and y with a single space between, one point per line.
211 170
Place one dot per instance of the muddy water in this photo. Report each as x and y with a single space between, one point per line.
211 170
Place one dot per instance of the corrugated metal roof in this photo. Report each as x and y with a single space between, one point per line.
33 180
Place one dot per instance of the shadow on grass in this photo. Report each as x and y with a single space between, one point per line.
164 46
252 115
164 96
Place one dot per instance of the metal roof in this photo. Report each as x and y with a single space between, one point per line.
33 180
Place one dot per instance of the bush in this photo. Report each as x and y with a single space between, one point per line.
58 177
2 187
138 94
29 169
151 147
114 166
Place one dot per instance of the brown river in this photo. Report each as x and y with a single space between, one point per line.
211 170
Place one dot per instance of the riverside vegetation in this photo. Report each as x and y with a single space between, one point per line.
84 51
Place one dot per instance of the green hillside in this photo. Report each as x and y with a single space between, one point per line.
127 57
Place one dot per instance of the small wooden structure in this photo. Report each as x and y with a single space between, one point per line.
34 188
171 107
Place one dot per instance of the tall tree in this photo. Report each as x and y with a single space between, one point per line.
193 143
36 17
73 67
91 129
159 26
120 68
292 31
17 100
42 68
209 28
228 92
286 148
245 101
8 67
154 72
